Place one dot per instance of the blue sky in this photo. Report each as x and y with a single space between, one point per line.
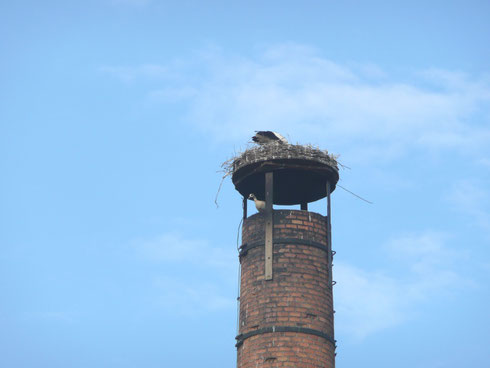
115 116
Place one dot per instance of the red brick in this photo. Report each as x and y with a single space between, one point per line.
298 295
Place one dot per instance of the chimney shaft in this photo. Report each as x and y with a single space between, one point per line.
286 316
286 321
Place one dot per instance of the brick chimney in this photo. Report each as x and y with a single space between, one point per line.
286 316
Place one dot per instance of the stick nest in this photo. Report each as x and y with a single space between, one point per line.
278 151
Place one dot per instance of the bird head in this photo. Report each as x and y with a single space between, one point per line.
252 196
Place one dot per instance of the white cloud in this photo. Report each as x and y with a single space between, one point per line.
192 298
174 247
485 162
188 294
370 301
293 89
365 302
172 94
130 74
471 198
310 97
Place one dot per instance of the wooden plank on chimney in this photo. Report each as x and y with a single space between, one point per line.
269 224
329 236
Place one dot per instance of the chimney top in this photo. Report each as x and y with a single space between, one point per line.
300 172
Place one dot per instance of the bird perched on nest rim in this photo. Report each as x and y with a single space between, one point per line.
266 136
260 205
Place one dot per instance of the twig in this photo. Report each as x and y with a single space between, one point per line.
219 189
343 166
354 194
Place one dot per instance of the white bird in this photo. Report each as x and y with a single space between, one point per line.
266 136
260 205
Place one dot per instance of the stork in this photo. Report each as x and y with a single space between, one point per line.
266 136
260 205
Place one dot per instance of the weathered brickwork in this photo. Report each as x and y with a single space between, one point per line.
298 296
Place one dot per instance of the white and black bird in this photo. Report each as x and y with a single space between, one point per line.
260 205
266 136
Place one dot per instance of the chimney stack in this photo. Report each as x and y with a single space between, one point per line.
286 316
